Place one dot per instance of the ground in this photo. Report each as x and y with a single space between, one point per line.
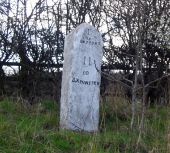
35 129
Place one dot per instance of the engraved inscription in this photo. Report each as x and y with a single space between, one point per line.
87 61
85 72
90 63
87 40
76 80
88 31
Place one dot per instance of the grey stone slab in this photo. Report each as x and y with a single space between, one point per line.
80 91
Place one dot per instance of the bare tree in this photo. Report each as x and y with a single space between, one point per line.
129 21
5 40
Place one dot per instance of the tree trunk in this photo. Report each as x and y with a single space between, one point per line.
2 76
24 85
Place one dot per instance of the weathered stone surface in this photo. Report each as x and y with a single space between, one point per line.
81 80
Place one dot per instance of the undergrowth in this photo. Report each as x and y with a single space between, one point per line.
35 129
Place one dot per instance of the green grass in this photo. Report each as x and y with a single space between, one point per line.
35 129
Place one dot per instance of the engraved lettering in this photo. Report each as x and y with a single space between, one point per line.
84 63
85 72
88 31
75 80
88 41
90 61
81 82
84 82
82 41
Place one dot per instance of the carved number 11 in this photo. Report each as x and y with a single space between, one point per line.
87 61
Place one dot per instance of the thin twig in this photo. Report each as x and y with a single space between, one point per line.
111 78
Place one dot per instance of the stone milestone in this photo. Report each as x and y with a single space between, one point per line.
81 78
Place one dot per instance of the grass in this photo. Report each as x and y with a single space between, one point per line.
35 129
